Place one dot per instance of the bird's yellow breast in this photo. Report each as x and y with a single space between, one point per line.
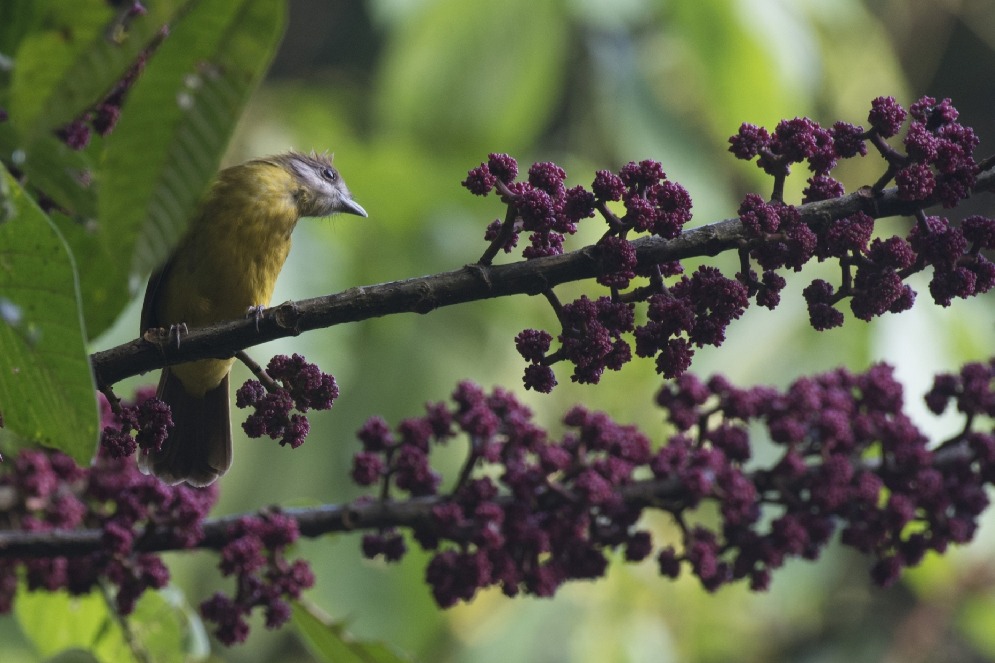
230 258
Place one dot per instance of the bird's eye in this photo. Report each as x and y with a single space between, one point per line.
329 174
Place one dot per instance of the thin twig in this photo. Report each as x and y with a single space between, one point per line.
258 371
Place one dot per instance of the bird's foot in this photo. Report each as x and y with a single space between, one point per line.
256 313
176 332
162 336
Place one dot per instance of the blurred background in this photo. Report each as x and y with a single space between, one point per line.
410 94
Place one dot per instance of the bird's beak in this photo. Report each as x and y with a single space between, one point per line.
350 206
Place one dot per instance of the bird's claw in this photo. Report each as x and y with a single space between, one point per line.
176 332
161 336
255 312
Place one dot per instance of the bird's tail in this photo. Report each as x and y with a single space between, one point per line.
198 449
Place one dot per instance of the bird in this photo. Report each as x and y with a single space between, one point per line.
224 267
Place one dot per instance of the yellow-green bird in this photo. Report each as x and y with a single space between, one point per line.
226 264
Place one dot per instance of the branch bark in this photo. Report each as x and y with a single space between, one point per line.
667 493
470 283
312 522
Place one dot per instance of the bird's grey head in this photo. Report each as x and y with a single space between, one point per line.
322 190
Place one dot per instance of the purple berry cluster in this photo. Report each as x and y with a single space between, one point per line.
530 512
592 331
938 159
50 493
295 384
911 499
541 206
694 311
548 210
149 418
254 555
545 518
970 391
938 164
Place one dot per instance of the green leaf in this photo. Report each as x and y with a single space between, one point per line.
67 67
167 146
46 388
163 625
55 621
62 625
52 168
492 82
328 640
45 55
17 19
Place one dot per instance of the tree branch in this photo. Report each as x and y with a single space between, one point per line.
667 493
470 283
312 522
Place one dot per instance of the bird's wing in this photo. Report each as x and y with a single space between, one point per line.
149 318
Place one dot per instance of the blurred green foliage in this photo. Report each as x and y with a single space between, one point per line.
409 95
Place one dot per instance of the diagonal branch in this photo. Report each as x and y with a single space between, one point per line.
470 283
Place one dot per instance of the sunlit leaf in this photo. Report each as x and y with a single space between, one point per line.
55 622
67 626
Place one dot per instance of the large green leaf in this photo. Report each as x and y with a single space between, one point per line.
62 33
68 65
46 388
53 169
17 19
173 131
328 640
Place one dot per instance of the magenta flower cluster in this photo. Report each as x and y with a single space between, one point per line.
254 555
907 501
528 528
593 332
530 512
938 165
149 419
541 206
298 385
50 493
692 311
